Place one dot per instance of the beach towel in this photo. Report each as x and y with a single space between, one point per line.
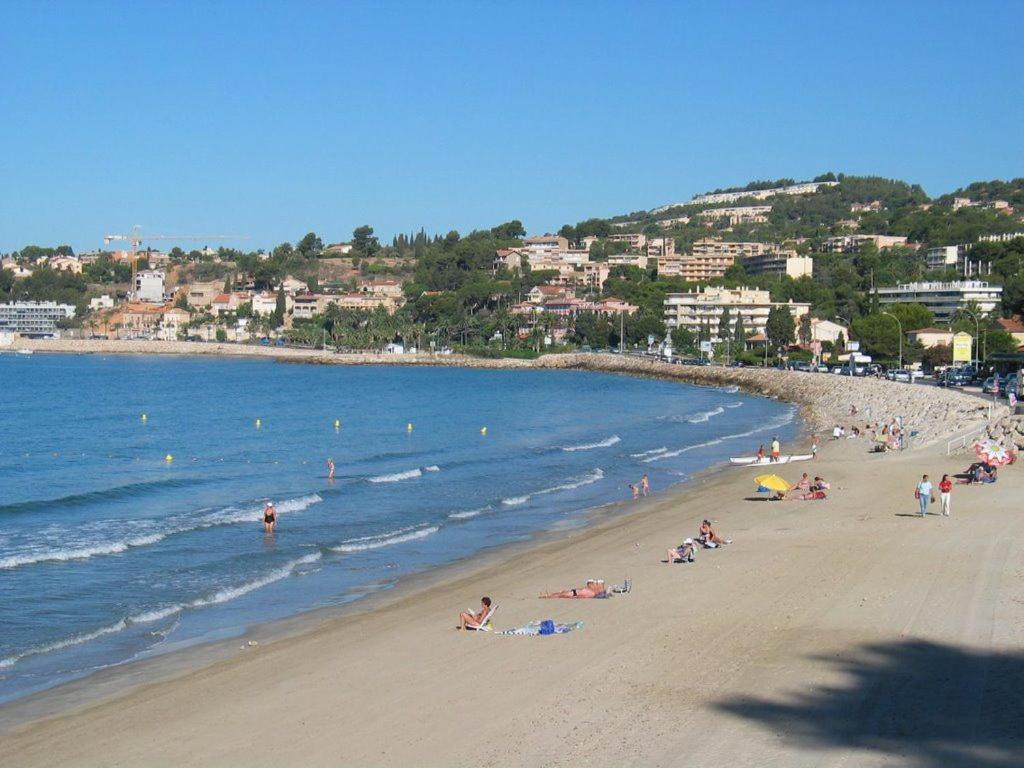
533 628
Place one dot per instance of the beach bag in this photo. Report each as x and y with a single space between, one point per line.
917 493
547 627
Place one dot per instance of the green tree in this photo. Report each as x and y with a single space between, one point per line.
510 230
683 340
280 307
739 332
912 316
805 332
363 241
310 246
724 324
779 327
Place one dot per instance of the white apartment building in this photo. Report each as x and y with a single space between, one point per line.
1003 238
853 243
745 214
545 244
696 268
149 286
628 260
804 188
37 319
944 256
661 247
944 299
101 302
632 239
704 308
714 247
779 263
672 222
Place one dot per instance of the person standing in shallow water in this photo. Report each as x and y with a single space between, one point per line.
330 469
269 517
776 449
645 485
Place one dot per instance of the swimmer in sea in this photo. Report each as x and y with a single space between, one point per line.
330 469
269 517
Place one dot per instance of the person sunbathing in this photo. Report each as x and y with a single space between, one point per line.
803 485
809 496
684 553
469 620
820 484
594 588
708 537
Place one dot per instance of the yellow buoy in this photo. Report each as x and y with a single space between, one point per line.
145 417
168 458
259 423
408 427
483 430
337 423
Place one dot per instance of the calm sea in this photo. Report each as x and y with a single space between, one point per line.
109 553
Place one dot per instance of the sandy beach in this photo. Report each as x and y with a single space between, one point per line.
843 632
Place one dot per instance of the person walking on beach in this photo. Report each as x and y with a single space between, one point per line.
814 446
945 494
923 494
269 517
776 448
645 485
330 468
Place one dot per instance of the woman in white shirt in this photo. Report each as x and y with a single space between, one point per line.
924 494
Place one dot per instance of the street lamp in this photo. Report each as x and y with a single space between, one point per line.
849 331
900 326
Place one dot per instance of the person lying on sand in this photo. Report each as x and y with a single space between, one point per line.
474 620
708 537
684 553
594 588
809 496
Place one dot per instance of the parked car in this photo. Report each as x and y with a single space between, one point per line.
821 368
899 374
989 385
955 378
1007 385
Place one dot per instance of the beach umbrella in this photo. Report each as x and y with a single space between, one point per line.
993 452
772 483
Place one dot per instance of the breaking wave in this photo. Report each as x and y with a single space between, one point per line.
608 442
378 541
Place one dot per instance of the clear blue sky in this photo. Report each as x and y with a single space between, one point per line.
274 119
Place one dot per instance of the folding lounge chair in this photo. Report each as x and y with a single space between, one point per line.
485 625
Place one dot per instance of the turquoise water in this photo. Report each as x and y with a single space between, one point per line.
110 553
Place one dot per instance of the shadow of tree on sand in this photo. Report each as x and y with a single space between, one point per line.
915 703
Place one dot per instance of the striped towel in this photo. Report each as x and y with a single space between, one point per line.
533 628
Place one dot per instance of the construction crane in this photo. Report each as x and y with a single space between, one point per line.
136 239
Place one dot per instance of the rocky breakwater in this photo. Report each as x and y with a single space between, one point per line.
1009 430
826 399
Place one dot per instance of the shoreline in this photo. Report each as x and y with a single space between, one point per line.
117 679
28 722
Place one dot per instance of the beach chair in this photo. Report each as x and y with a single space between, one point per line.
485 624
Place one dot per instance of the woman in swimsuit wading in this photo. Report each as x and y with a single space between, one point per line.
269 517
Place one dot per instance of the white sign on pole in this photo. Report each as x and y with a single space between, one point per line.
853 346
706 346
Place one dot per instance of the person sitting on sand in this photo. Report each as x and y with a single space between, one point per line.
594 588
819 484
469 620
708 537
684 553
803 485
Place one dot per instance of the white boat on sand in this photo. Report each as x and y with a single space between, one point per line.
753 461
